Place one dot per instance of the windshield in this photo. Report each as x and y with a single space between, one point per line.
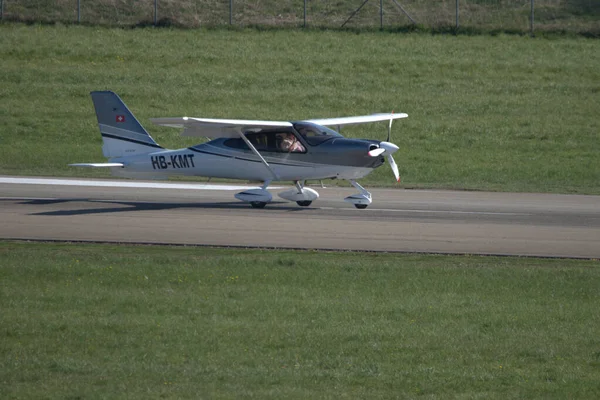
315 134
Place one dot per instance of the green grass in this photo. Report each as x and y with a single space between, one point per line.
494 113
106 321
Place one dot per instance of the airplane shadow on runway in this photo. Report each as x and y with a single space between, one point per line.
132 206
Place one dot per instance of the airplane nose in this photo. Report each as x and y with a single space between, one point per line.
389 147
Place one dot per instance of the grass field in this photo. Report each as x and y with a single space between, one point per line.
104 321
495 113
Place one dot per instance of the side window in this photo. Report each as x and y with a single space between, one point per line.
259 140
236 143
281 142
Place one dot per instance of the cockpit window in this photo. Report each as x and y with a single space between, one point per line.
288 143
273 141
315 134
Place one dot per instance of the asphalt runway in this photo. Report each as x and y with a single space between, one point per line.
546 225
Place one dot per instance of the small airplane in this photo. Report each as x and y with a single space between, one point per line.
266 151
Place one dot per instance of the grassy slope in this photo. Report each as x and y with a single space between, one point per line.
499 113
148 322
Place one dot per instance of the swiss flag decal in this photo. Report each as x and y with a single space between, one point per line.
120 118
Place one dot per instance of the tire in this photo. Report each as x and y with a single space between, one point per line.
258 204
361 206
304 203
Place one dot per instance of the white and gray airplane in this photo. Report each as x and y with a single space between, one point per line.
265 151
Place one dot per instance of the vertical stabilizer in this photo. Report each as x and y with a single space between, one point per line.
122 134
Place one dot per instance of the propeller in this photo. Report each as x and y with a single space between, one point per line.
394 167
391 148
388 148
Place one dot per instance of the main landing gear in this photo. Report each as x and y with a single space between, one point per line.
258 198
303 196
258 204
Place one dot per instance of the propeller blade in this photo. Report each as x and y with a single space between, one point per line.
389 147
376 152
394 167
390 128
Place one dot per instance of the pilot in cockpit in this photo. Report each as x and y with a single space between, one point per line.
289 143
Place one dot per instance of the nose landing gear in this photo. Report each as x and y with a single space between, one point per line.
360 200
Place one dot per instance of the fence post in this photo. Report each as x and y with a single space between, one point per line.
381 14
230 12
531 21
78 11
304 13
1 10
457 14
155 12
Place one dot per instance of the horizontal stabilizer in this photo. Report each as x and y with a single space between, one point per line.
98 165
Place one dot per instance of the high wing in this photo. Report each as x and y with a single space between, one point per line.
361 119
217 128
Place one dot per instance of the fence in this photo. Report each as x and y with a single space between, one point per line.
505 15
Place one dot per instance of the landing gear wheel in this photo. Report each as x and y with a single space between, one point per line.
361 206
304 203
258 204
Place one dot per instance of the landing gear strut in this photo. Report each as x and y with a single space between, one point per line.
360 200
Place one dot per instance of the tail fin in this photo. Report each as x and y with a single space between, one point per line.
122 134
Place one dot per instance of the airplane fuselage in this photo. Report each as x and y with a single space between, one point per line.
342 158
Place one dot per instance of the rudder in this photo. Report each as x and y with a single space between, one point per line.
122 134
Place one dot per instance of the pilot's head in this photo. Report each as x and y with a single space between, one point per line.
286 141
